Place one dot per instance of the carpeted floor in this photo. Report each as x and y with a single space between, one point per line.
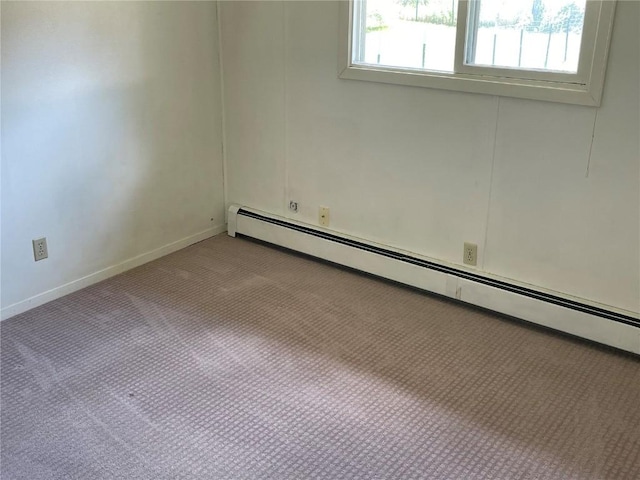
234 360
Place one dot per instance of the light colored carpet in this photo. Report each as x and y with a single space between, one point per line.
231 359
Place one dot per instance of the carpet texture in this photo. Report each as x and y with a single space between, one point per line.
234 360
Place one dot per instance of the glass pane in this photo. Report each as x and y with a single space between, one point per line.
527 34
417 34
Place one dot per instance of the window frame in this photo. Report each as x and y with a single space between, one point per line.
583 88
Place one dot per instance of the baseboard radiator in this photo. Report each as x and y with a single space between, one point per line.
596 323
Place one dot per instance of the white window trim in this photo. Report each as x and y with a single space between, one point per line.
584 89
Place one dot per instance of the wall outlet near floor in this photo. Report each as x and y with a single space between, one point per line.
470 256
40 249
323 216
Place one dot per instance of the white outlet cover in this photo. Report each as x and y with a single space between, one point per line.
470 254
40 251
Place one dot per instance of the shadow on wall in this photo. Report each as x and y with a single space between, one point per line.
106 136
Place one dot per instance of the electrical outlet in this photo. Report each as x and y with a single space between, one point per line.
323 216
40 249
293 206
470 256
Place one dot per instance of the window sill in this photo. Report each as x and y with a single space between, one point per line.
570 93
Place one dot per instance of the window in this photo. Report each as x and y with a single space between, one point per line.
551 50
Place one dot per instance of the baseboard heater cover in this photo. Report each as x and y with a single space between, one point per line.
571 316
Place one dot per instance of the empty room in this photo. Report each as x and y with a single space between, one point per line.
368 239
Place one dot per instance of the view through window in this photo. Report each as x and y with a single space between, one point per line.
542 35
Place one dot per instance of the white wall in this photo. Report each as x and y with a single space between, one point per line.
426 170
111 143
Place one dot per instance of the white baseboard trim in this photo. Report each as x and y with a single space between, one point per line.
579 317
61 291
